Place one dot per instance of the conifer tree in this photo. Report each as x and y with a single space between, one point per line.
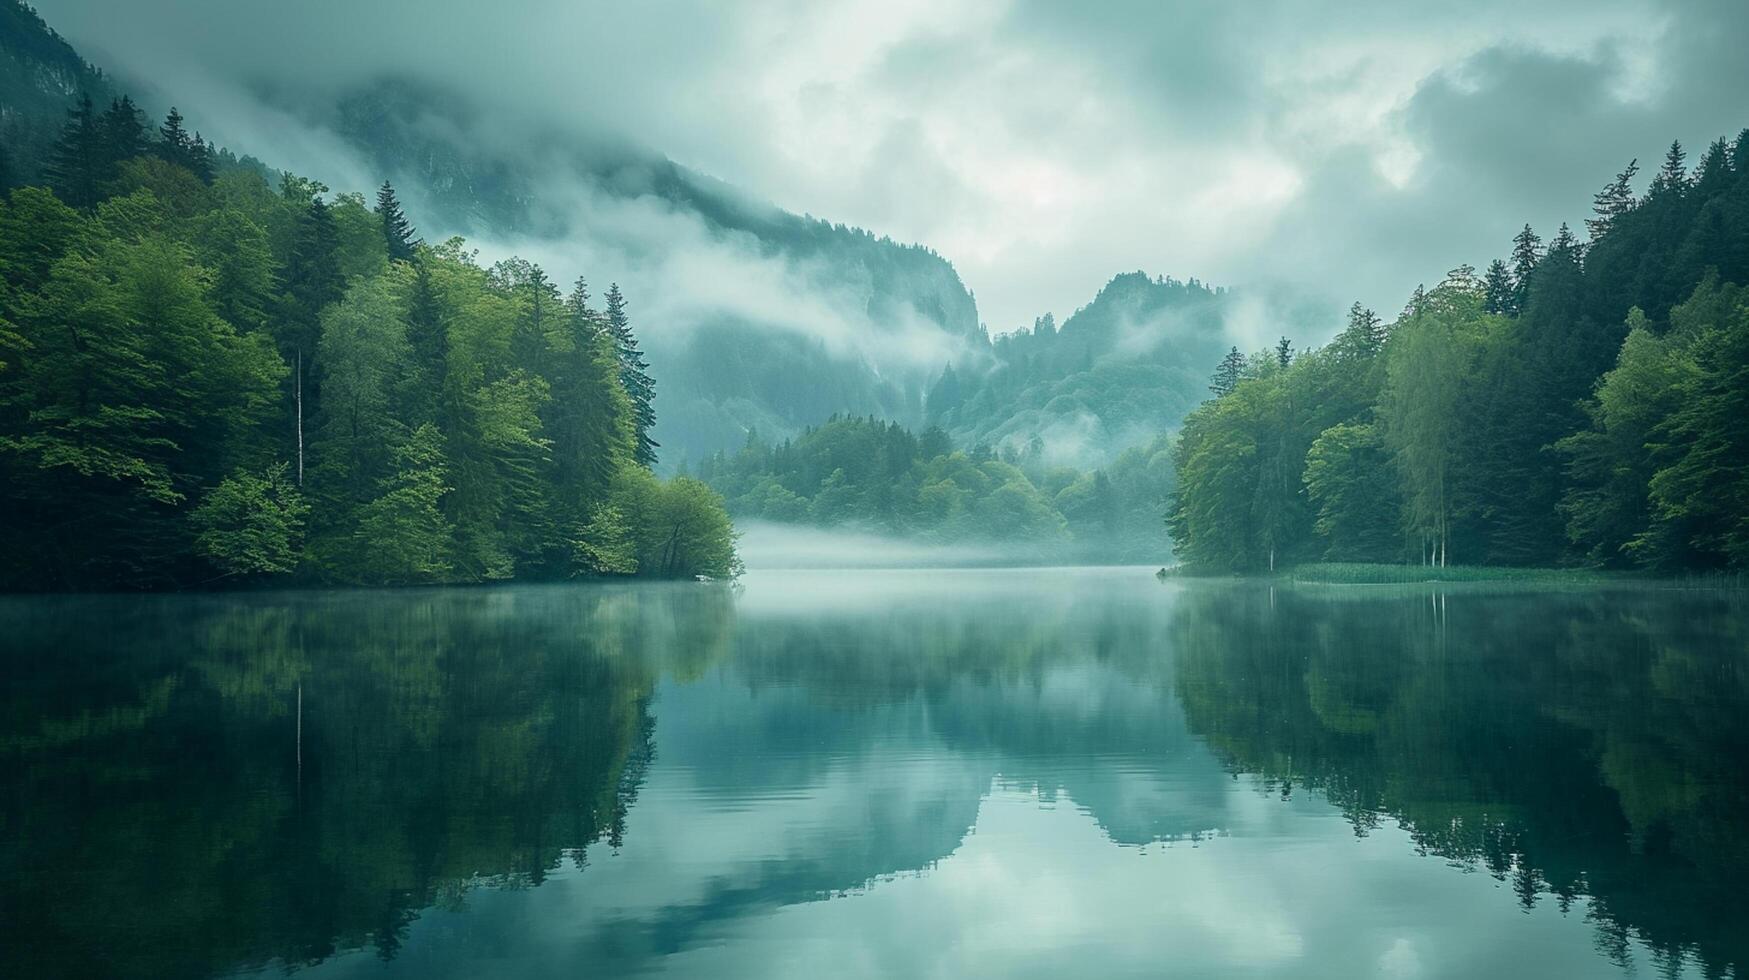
1284 352
1228 373
1672 177
200 159
174 142
1497 289
1615 200
75 168
429 342
1526 253
640 387
124 133
312 280
1365 334
398 234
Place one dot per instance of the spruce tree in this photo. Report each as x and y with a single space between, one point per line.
398 235
1672 177
75 168
1227 375
429 341
124 134
1284 352
1525 255
1497 289
200 159
312 279
174 142
1615 200
639 386
1365 334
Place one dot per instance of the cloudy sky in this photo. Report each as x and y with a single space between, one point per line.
1043 146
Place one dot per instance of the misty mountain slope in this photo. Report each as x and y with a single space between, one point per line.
753 318
1124 368
40 75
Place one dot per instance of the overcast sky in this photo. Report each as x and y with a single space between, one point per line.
1040 145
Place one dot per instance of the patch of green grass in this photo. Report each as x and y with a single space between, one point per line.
1357 573
1367 573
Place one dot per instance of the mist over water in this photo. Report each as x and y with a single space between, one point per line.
769 546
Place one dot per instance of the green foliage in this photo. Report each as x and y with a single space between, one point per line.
1351 481
680 528
252 525
1597 388
402 536
199 373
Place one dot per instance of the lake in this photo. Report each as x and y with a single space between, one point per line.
1015 773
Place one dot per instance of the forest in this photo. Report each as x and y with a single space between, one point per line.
1579 403
877 476
209 377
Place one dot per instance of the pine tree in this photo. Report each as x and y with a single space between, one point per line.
174 143
312 279
1499 296
398 234
640 387
124 134
1615 200
1713 175
75 168
1672 177
1227 375
1284 352
200 159
1365 334
429 341
1564 241
1525 255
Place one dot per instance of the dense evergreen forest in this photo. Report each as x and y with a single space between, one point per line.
207 378
877 476
1583 402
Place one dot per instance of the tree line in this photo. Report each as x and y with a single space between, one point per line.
210 377
878 476
1579 403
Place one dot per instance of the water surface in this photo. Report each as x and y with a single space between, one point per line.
1050 773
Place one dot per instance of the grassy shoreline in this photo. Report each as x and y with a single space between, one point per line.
1365 573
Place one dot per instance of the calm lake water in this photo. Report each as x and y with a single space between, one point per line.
1039 773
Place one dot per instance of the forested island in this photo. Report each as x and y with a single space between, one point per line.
208 376
1581 403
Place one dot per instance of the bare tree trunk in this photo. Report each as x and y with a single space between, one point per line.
300 401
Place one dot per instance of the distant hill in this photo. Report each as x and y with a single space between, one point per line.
1124 368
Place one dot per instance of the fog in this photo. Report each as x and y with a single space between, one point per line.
765 546
1358 148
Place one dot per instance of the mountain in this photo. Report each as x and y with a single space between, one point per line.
755 320
40 75
1123 369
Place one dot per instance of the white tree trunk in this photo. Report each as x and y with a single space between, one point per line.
300 401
